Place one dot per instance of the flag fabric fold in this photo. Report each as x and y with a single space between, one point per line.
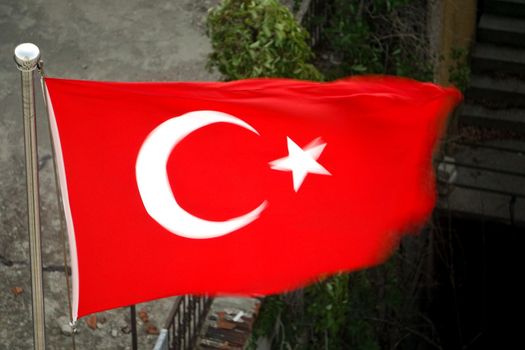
246 188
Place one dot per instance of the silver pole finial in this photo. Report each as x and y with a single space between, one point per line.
27 56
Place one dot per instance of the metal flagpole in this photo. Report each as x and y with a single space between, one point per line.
27 57
133 311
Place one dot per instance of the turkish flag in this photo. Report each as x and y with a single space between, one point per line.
246 188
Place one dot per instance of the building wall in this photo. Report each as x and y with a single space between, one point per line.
451 25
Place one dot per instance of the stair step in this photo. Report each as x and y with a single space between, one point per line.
498 92
507 119
511 8
503 59
501 30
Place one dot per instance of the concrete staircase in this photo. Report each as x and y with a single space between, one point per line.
496 94
483 175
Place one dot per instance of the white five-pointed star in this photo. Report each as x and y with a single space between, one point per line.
301 161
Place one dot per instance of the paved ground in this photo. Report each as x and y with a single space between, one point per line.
106 40
229 324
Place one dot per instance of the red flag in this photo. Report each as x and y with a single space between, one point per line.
248 187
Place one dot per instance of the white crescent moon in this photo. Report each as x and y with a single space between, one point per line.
154 186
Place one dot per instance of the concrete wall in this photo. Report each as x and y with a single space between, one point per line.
451 25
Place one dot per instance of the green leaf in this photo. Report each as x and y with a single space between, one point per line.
254 38
359 68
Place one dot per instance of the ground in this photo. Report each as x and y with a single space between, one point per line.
124 40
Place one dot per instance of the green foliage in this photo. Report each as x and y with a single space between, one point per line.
271 309
258 38
297 4
328 306
459 70
377 37
277 320
365 310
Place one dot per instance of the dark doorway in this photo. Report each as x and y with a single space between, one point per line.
478 265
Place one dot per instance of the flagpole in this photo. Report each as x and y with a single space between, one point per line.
133 312
27 57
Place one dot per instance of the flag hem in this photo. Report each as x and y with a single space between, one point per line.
65 202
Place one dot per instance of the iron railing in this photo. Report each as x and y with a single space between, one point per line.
184 323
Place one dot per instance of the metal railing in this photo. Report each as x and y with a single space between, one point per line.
183 324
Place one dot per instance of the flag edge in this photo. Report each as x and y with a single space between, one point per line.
65 203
